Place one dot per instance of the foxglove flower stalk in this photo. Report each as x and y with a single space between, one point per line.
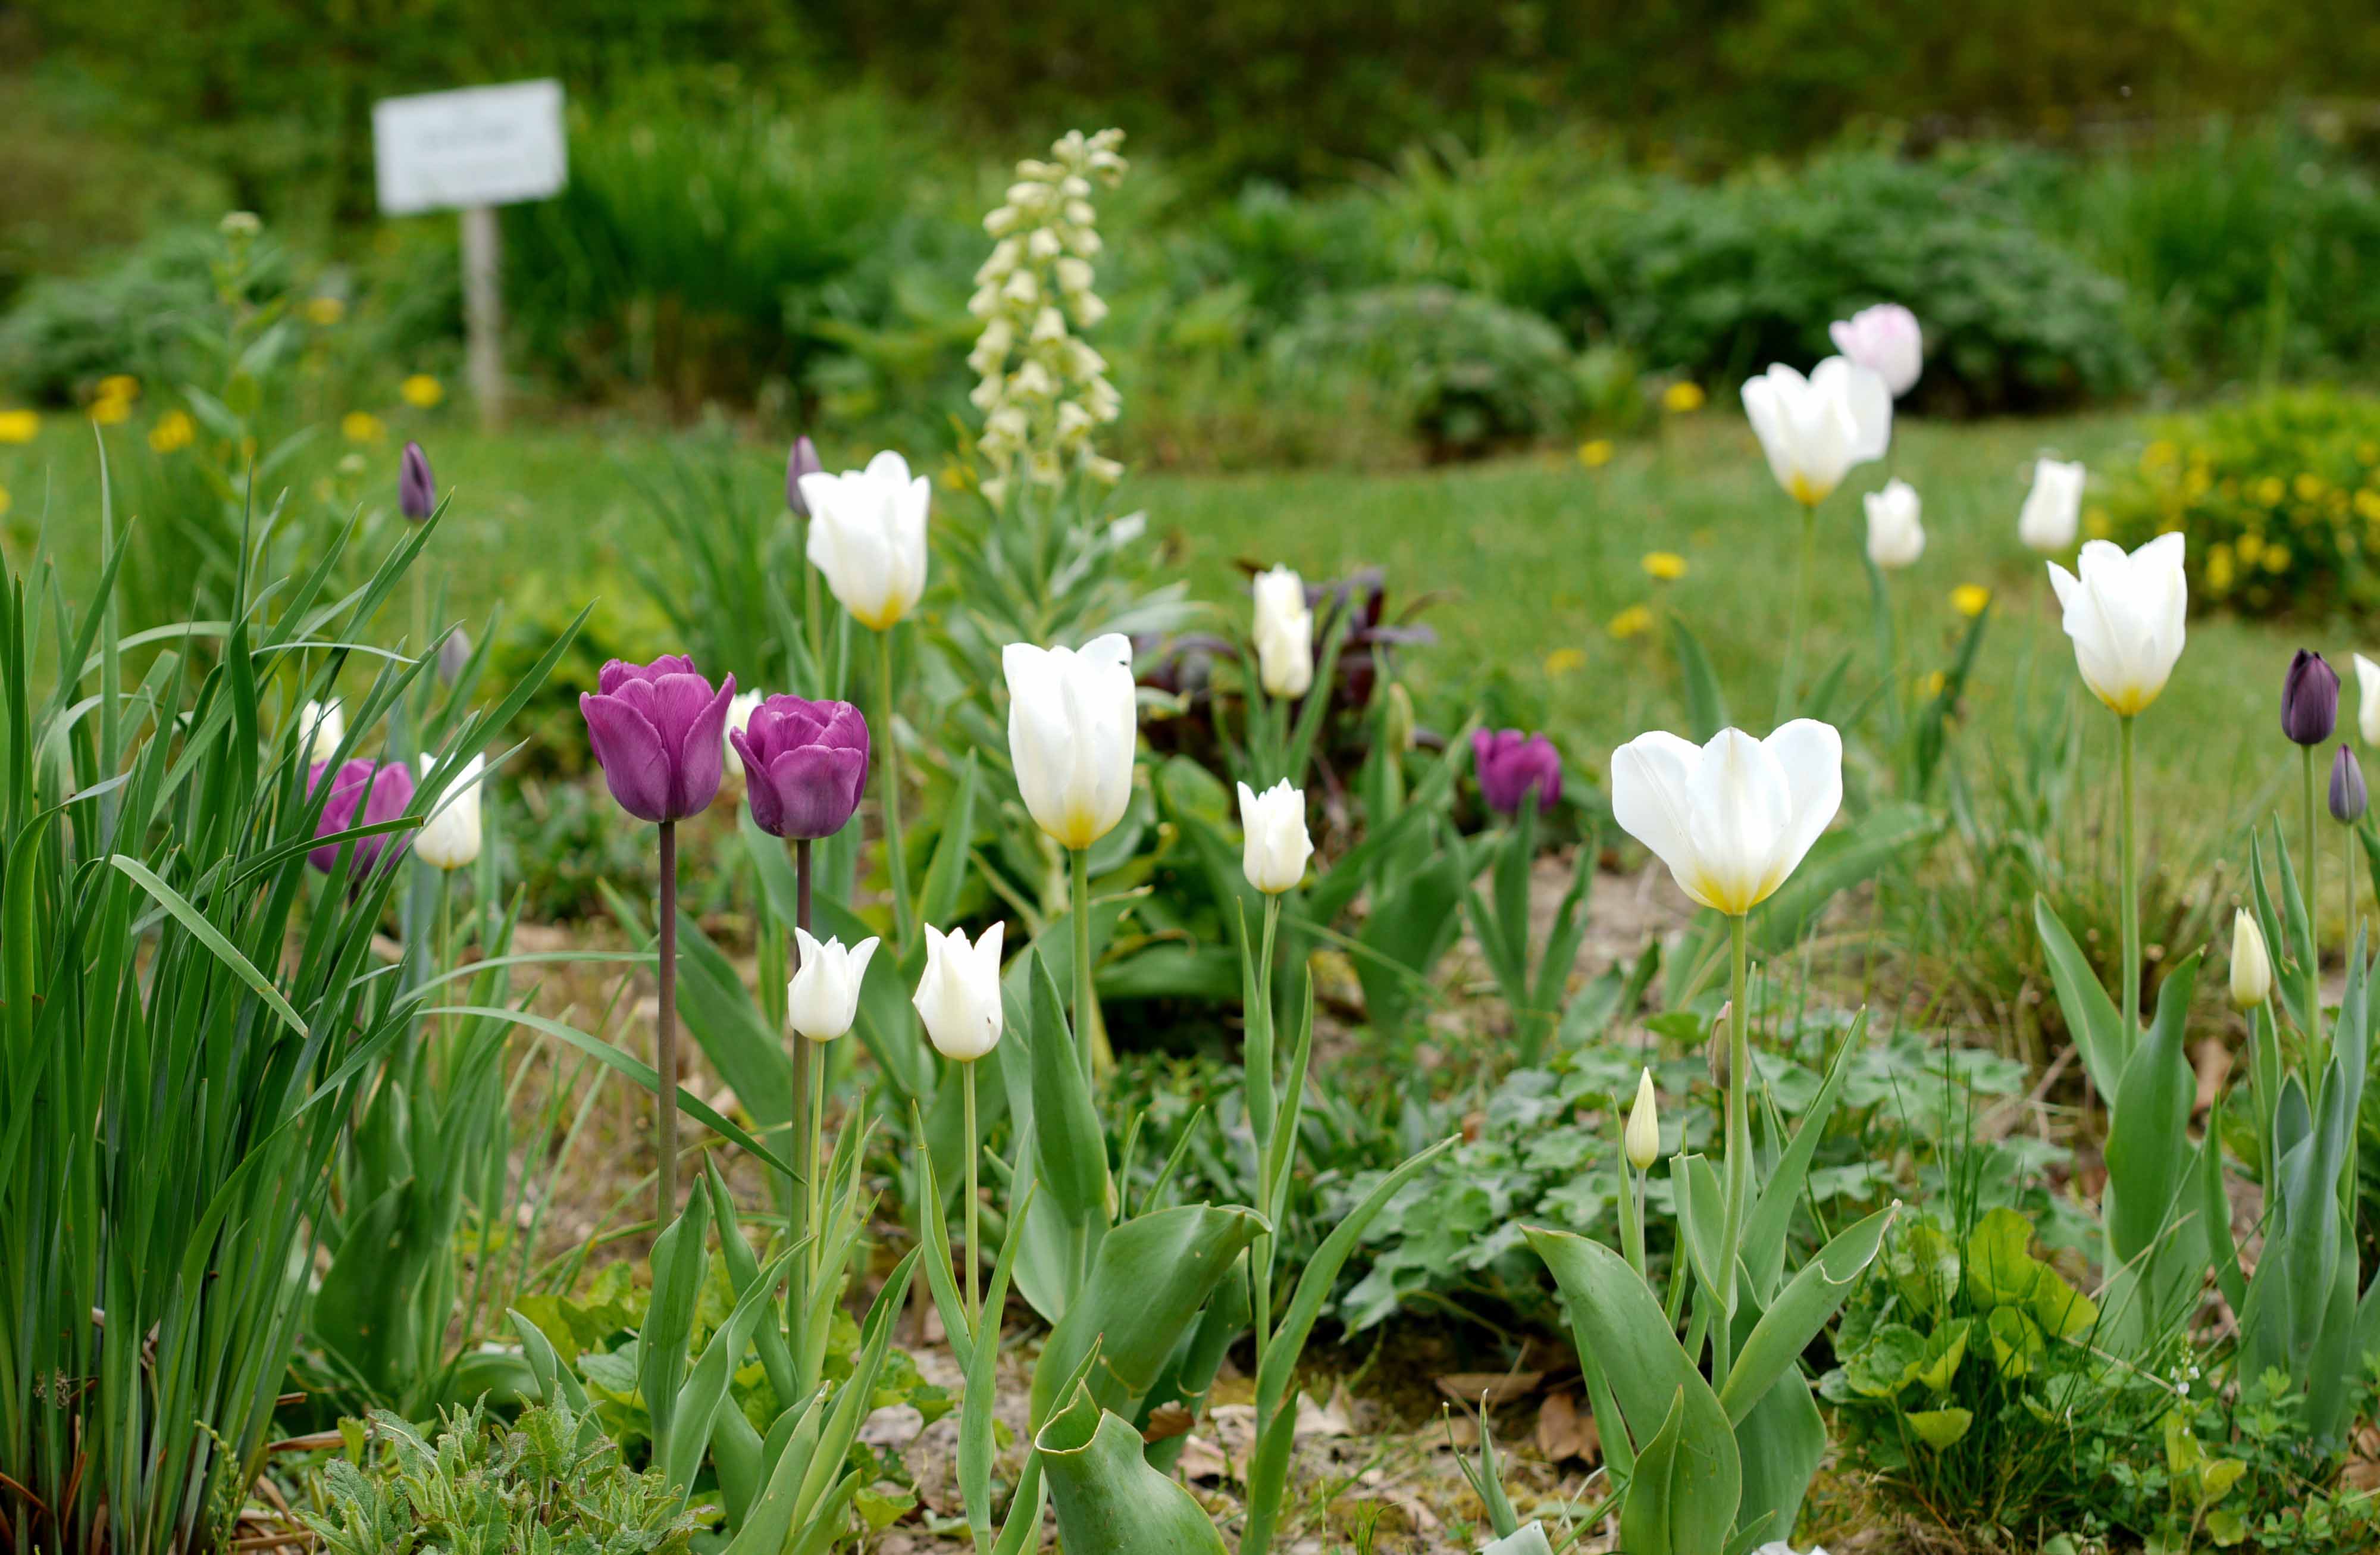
2309 698
658 731
1885 340
2053 510
1284 634
416 491
2128 616
324 726
363 792
2252 964
806 765
1510 765
1814 430
867 535
822 999
1276 848
450 838
1895 538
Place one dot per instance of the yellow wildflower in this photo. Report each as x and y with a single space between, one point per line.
1667 566
2270 491
1597 453
1636 621
119 385
107 410
2277 557
1681 396
2367 504
2252 546
2219 572
361 426
1564 660
326 311
1968 599
421 390
2096 522
1931 685
20 426
2309 485
175 429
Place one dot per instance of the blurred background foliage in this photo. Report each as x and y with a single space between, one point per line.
1540 217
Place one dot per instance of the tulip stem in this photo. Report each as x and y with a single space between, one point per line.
2313 862
665 1034
1635 1249
2129 885
1790 672
896 858
975 1147
797 1120
1081 860
1739 1119
815 1061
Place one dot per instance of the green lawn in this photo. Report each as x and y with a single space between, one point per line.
1531 558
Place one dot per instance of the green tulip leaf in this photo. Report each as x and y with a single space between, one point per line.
1798 1312
1109 1501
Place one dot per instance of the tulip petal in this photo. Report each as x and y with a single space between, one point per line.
1649 778
1811 756
629 748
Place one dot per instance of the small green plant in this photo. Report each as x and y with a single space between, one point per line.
550 1483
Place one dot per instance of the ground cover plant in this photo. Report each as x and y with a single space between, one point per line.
978 998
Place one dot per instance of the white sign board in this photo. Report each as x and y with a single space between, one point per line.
450 151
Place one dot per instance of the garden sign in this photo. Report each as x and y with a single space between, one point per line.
472 151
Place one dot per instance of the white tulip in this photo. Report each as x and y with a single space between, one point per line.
324 724
1885 340
1814 430
2127 615
1642 1138
1284 632
1274 856
1778 1547
1071 726
959 996
2053 510
822 999
450 838
2252 964
2367 681
868 536
1731 819
740 709
1895 538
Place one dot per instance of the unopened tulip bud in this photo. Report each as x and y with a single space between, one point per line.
1401 722
1277 847
453 655
1719 1044
324 725
2367 680
417 492
2309 698
800 460
2252 966
2053 508
450 838
1643 1138
2348 798
958 998
822 999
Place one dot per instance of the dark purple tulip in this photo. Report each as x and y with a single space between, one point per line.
659 733
362 794
1510 764
2348 798
2309 699
802 459
417 492
805 765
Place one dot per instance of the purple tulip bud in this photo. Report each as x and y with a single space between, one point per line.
417 492
362 792
659 733
805 765
2348 798
802 459
454 655
1510 764
2309 699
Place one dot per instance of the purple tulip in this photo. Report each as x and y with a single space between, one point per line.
1510 764
659 733
363 792
2309 699
417 492
2347 796
802 459
805 765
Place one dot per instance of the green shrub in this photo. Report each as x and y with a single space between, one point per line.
1464 372
2279 495
550 1482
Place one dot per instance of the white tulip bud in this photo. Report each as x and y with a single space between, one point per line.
2367 681
822 999
1895 539
1284 634
958 998
1273 856
740 709
450 838
2252 964
324 724
1642 1139
2053 510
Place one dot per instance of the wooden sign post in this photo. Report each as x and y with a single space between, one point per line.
472 151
